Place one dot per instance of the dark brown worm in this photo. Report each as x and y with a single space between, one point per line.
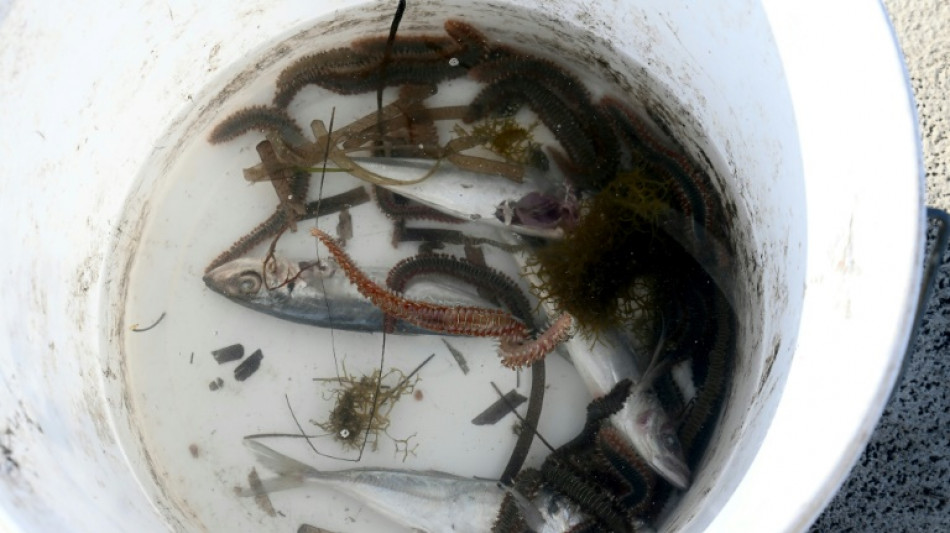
473 46
598 410
411 46
510 518
570 129
270 227
514 64
399 71
501 287
257 118
630 467
278 221
584 491
357 69
570 93
686 182
309 69
697 427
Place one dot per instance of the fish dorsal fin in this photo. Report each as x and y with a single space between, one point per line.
657 366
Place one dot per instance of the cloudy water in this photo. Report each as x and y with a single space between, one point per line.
194 408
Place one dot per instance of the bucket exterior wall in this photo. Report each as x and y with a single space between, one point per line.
811 138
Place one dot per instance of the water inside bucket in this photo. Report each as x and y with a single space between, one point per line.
193 412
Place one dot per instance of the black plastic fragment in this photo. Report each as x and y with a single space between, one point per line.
248 366
228 353
500 408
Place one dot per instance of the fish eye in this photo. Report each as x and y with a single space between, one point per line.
249 282
671 441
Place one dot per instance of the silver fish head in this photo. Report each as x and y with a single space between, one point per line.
654 436
252 279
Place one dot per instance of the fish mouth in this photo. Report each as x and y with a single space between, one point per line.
213 281
673 469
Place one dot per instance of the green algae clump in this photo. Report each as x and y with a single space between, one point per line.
611 268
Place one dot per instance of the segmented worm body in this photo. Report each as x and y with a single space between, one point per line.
562 102
419 60
279 220
257 118
500 286
639 479
517 353
687 184
503 97
455 320
697 426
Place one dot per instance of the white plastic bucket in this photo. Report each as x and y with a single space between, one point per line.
801 110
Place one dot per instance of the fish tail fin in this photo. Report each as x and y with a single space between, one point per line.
291 473
268 486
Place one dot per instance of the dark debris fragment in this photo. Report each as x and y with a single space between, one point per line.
260 495
248 366
496 411
229 353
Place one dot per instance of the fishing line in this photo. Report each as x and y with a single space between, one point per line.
302 432
137 329
372 411
303 435
316 211
521 419
387 54
283 436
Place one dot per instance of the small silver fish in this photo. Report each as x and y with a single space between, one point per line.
320 295
643 419
427 501
462 193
